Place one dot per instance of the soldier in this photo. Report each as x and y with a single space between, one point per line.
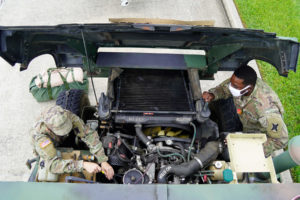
257 105
52 128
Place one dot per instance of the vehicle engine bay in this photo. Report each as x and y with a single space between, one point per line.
155 128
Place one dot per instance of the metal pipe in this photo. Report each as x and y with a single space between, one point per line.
286 160
289 158
195 83
34 171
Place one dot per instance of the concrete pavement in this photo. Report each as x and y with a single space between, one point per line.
37 12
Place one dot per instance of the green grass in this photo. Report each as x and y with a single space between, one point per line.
283 18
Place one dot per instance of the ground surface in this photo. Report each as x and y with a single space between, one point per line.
18 109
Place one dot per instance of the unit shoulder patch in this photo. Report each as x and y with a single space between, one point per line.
275 125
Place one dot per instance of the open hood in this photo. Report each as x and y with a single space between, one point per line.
225 48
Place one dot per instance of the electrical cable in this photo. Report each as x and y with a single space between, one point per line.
87 59
169 155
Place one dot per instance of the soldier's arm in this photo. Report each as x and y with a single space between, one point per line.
276 130
89 137
46 150
221 91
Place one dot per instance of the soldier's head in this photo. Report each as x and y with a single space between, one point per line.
57 120
243 81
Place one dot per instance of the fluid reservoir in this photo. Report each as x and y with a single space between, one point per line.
218 168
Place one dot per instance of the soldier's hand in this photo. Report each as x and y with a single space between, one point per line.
108 170
225 142
208 96
91 167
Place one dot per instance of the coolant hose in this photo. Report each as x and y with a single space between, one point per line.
206 155
141 135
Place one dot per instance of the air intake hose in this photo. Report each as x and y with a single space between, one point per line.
208 154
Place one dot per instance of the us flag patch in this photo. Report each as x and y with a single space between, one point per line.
45 143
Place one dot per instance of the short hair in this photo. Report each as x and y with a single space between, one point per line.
246 73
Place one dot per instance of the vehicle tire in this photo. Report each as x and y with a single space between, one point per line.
73 100
224 113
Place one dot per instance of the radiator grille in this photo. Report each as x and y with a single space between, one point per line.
152 90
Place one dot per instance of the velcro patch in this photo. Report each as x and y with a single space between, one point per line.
275 124
45 143
239 111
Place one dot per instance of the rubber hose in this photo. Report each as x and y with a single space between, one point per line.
182 170
141 135
206 155
209 153
180 147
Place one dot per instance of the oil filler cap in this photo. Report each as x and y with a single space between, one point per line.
227 175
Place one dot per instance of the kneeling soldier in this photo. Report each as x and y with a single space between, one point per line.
52 128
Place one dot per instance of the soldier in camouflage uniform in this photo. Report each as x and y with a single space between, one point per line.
52 128
257 105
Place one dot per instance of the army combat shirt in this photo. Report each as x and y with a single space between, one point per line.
261 111
44 142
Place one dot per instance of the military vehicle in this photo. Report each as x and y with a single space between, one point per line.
160 136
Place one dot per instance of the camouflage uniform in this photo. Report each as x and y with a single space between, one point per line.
45 140
261 111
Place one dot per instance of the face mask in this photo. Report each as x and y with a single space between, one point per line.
237 93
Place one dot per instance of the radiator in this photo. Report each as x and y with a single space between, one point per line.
153 90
